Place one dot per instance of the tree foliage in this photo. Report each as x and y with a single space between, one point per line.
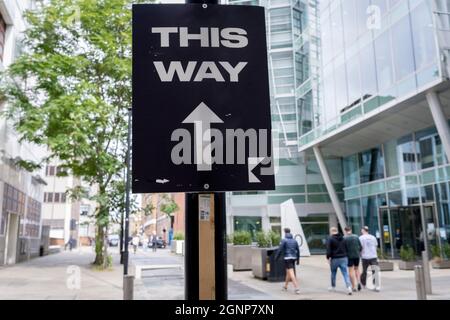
168 205
71 90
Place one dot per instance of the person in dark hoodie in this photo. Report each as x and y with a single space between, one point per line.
291 254
337 258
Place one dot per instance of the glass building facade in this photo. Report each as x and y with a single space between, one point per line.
411 171
376 55
373 52
334 64
294 65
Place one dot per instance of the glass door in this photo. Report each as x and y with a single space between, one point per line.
397 231
431 227
417 230
403 227
387 248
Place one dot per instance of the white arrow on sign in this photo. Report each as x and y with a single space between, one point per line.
252 163
202 117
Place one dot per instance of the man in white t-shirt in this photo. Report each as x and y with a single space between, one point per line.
369 257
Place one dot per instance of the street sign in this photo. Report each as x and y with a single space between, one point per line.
201 104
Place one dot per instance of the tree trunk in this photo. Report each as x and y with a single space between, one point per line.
99 244
106 263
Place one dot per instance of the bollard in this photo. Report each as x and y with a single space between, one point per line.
426 272
128 287
420 283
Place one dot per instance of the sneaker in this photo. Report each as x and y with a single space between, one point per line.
297 291
332 289
284 289
377 289
359 287
354 290
349 291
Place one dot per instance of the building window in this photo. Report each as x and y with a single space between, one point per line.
13 201
33 221
250 224
60 171
54 171
315 228
50 170
2 37
58 197
371 165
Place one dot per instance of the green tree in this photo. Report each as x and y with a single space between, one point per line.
168 205
71 89
165 204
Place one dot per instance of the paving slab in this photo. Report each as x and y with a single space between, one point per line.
49 278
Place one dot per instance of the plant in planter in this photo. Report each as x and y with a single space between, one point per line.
383 262
264 264
446 250
408 258
241 238
239 250
263 240
275 238
178 243
438 262
178 236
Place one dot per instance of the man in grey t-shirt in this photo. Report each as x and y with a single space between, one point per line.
369 257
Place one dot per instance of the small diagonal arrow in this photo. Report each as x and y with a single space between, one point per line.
252 164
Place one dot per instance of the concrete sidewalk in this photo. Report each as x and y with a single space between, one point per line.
53 277
168 284
314 277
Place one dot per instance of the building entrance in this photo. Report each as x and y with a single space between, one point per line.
404 227
12 235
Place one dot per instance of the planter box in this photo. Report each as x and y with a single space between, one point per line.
441 264
386 265
408 265
239 257
259 263
264 265
177 247
230 253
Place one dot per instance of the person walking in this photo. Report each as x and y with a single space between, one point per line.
369 257
135 243
154 241
291 255
353 247
145 243
337 258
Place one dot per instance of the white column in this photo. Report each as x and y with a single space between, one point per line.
440 120
265 219
330 187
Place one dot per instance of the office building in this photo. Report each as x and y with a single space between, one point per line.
21 192
293 32
385 112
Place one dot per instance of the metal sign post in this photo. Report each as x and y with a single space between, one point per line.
205 272
202 121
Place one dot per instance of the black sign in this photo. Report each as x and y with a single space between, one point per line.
201 105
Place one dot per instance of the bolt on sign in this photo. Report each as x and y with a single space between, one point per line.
201 104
